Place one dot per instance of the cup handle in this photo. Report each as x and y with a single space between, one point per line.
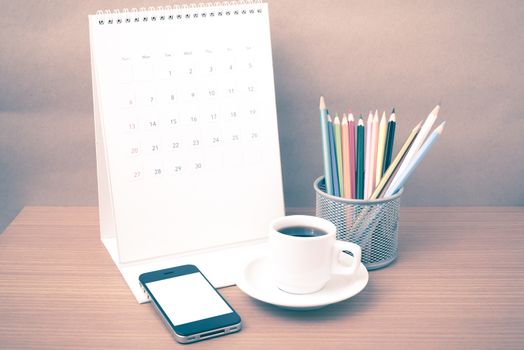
338 267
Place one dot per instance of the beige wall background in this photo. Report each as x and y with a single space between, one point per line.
360 54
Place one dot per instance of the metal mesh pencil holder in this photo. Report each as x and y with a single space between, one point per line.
372 224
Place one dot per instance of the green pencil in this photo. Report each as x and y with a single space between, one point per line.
360 159
390 139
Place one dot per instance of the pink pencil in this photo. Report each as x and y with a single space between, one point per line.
367 154
352 168
345 156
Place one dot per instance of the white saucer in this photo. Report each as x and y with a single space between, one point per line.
257 282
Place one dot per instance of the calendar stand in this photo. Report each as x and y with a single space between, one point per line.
188 159
220 265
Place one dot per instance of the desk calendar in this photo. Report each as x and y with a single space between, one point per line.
187 147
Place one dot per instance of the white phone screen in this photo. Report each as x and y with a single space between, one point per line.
188 298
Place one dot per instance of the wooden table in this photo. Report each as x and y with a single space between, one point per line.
458 284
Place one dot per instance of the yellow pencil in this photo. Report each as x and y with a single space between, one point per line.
395 164
381 144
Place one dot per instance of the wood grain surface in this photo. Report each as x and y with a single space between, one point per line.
458 284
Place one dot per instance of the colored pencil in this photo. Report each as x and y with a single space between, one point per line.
390 139
325 146
367 164
388 175
360 159
334 171
382 129
352 145
419 140
374 146
416 160
338 150
345 156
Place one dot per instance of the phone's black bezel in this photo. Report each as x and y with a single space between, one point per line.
195 327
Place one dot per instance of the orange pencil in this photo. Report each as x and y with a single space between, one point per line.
345 157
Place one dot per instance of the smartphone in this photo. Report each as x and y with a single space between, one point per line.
189 305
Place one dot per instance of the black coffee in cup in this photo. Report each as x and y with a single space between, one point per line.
302 231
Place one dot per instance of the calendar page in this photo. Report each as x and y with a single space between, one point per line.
186 111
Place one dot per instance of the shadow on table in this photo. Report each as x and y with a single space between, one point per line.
351 307
7 215
422 236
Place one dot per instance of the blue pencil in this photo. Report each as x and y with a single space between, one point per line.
334 170
325 146
417 158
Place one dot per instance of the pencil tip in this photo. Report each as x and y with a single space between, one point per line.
436 110
322 103
393 111
440 127
329 118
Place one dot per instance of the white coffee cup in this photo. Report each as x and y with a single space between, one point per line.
304 264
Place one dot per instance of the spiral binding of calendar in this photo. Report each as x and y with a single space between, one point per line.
178 12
